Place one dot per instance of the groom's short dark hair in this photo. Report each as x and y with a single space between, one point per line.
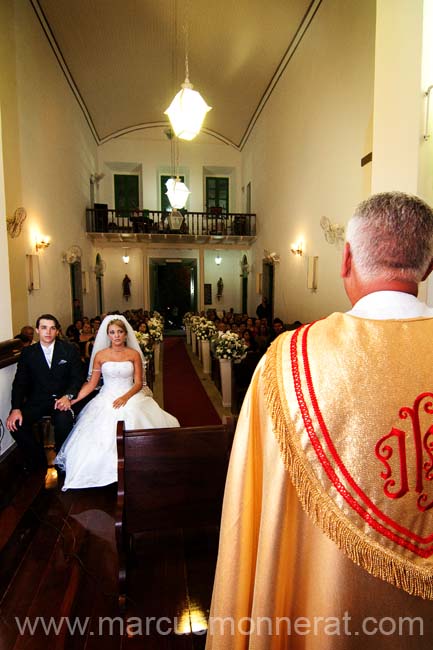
47 317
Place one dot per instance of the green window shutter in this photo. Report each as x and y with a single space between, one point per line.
126 192
217 193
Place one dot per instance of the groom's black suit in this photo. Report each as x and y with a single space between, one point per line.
35 389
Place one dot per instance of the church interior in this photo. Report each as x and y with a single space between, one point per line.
314 106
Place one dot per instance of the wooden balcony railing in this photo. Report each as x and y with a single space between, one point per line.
103 220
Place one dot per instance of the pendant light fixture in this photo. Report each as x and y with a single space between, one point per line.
188 109
177 191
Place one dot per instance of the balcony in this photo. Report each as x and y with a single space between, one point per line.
183 226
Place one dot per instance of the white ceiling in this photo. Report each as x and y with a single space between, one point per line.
124 59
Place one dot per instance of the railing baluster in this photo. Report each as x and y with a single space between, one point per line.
104 220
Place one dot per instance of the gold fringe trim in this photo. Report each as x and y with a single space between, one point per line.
319 506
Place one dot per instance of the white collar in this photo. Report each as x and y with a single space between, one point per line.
382 305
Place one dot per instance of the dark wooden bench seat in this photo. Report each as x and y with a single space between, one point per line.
168 479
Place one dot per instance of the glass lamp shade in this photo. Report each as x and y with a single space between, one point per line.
187 112
177 193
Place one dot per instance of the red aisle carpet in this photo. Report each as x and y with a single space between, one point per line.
184 395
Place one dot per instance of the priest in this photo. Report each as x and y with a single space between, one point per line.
327 527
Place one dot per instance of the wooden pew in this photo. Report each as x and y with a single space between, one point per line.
168 479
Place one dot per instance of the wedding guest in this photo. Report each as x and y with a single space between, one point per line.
263 310
47 379
26 334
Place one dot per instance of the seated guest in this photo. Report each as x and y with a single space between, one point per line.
249 341
277 329
262 337
48 377
26 334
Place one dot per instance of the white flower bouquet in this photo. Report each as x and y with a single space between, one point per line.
145 342
156 329
230 346
205 330
187 318
195 322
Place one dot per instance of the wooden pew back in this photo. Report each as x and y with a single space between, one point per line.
168 479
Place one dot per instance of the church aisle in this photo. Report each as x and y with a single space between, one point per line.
184 395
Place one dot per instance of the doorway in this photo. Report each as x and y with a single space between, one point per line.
76 290
173 289
268 285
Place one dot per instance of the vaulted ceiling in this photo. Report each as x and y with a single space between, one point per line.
125 59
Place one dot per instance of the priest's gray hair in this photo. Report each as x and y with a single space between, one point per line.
391 237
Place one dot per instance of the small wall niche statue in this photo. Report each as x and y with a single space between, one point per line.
245 267
220 288
126 286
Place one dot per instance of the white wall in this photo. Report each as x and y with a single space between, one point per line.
115 272
303 158
57 154
149 153
138 271
230 272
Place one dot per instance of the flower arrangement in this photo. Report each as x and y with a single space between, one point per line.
145 342
205 329
230 346
156 328
195 322
158 316
187 318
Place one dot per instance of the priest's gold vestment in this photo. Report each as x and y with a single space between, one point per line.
327 527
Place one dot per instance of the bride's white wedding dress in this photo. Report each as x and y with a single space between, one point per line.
89 454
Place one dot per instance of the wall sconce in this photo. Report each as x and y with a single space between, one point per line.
218 259
42 243
334 233
96 177
125 256
427 113
297 248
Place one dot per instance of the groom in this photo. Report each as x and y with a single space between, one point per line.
49 375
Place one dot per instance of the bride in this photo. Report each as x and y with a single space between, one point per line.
89 454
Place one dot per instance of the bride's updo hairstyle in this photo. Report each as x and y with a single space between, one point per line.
119 323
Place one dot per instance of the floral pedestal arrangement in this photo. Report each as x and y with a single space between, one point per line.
156 331
193 342
226 381
156 356
187 321
205 356
205 330
228 349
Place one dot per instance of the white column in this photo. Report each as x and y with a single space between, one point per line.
5 291
201 280
146 298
